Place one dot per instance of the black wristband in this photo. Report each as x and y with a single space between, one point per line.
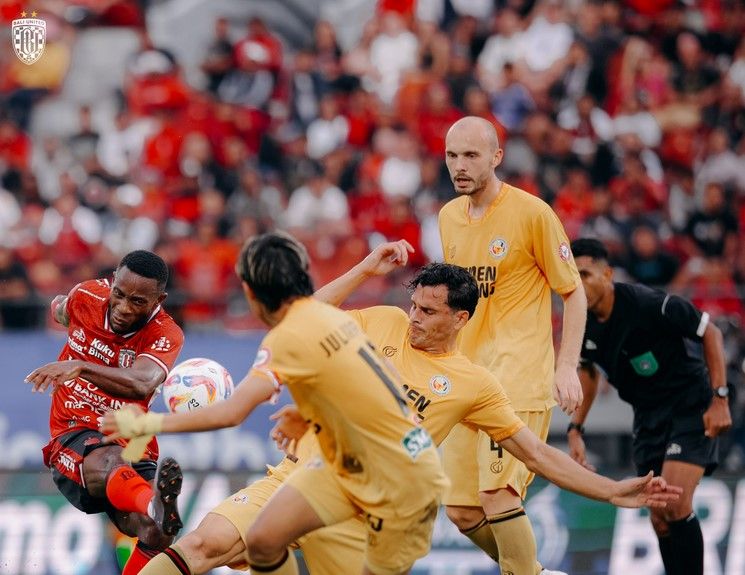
578 426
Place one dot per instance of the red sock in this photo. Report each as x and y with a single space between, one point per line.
138 560
128 491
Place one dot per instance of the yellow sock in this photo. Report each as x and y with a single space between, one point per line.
285 566
169 562
482 536
516 542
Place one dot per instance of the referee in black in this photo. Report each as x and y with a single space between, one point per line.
647 344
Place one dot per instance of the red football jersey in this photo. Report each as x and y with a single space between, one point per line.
78 403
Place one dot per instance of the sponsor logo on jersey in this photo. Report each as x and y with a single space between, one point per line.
29 37
674 449
564 252
415 441
126 357
161 344
241 498
79 334
389 351
498 248
440 385
486 278
101 350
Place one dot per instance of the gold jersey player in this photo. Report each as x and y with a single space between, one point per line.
516 248
442 387
375 461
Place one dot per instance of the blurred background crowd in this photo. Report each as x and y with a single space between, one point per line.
185 127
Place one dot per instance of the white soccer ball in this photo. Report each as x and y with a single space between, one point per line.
195 383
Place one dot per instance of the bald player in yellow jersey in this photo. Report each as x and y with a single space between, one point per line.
516 248
339 383
442 386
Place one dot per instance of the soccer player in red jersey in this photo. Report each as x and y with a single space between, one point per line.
120 346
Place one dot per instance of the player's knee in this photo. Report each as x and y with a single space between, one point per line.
262 547
199 546
659 522
464 517
96 469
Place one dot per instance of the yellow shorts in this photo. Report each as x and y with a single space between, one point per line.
394 542
331 550
473 462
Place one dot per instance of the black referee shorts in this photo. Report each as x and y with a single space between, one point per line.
679 437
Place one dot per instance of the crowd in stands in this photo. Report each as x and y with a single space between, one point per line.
626 116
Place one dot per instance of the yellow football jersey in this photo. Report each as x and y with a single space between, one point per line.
442 389
352 399
518 252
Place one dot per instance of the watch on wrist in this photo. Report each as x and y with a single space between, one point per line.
722 392
578 426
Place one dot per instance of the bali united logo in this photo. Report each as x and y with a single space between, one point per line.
29 38
126 357
498 248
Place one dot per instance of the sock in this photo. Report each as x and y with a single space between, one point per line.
285 566
687 545
169 562
482 537
668 555
516 542
127 490
138 559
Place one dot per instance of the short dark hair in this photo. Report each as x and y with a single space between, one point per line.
275 266
146 264
463 292
591 248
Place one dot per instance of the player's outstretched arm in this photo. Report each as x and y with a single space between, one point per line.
252 391
559 468
382 260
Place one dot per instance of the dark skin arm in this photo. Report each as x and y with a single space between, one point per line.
136 382
717 418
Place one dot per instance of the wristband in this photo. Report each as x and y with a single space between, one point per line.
578 426
132 424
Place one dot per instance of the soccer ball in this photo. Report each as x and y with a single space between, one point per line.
195 383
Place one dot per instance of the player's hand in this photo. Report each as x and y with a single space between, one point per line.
647 491
387 257
130 421
567 388
288 430
53 374
577 449
717 419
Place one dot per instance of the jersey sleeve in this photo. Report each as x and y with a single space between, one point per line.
281 359
162 343
369 317
552 252
677 313
492 411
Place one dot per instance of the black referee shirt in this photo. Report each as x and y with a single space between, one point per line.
649 349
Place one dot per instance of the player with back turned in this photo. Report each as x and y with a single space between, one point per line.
644 341
375 461
516 248
120 346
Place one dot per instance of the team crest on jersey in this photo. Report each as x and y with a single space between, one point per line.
498 248
126 357
262 357
440 385
564 252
